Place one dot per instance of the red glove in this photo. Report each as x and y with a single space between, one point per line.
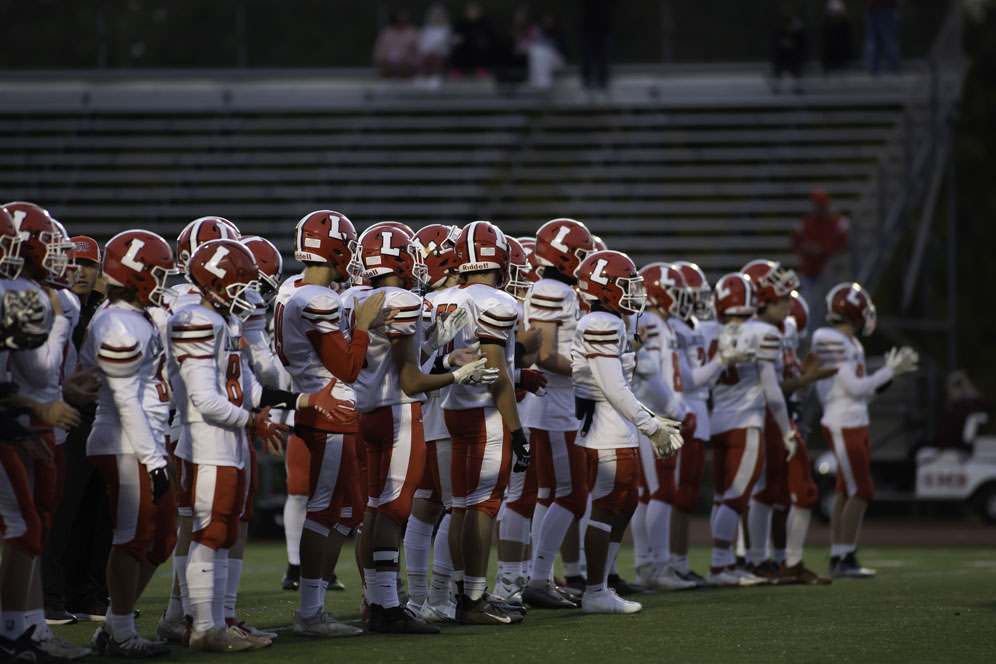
340 412
688 426
272 434
533 381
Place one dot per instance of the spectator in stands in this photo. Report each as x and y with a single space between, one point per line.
394 53
837 44
882 38
963 400
818 237
546 51
596 41
475 43
433 45
74 563
788 50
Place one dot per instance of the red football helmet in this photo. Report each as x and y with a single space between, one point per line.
10 247
224 270
519 268
529 246
599 243
698 290
391 224
610 279
199 231
770 280
734 296
237 234
269 262
390 250
68 277
437 243
139 261
665 288
42 244
482 246
325 236
850 302
562 244
800 312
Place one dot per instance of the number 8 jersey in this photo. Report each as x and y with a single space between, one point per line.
213 386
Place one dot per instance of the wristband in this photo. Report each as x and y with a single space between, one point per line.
446 362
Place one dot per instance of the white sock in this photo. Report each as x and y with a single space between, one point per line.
387 587
181 575
13 624
725 524
200 585
442 564
174 610
311 596
659 530
641 541
220 587
36 618
722 557
539 513
232 586
595 588
325 589
555 525
514 527
418 538
122 626
838 550
778 555
572 569
740 544
797 528
758 520
610 560
849 548
295 512
474 586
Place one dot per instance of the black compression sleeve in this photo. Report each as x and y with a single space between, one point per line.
520 352
278 399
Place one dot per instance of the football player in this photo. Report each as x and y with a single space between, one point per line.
603 363
740 396
215 392
319 350
389 394
844 397
127 443
483 421
552 307
659 382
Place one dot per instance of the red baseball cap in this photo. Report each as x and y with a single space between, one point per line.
86 248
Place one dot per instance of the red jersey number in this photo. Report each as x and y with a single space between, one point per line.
278 332
679 384
233 388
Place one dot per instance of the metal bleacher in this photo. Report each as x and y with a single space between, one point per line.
710 166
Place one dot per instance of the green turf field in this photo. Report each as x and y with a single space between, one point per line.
927 604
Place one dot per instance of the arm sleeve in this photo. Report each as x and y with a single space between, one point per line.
200 378
344 360
264 363
134 421
664 399
253 389
37 366
706 374
861 387
773 395
608 374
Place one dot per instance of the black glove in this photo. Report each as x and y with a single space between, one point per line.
159 479
520 445
11 430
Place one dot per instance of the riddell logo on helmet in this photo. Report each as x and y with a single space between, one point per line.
471 267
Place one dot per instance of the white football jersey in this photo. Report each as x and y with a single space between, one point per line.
213 386
552 301
493 315
70 358
433 421
738 399
603 335
696 346
38 372
841 408
123 342
181 295
379 383
264 363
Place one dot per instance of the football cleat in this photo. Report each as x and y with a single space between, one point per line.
59 617
292 578
335 584
807 576
623 587
171 631
135 647
23 649
513 610
323 624
832 567
698 579
607 601
59 649
667 579
260 633
749 579
546 596
850 568
398 620
438 613
256 642
483 612
724 577
507 588
644 575
575 585
218 639
98 642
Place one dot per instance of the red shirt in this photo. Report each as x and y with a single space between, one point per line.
816 239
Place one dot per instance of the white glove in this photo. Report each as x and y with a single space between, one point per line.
727 351
475 373
791 443
667 439
901 360
445 329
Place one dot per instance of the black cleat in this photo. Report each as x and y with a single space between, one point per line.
575 584
59 616
623 587
483 612
292 578
398 620
546 597
850 568
833 567
335 583
25 649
